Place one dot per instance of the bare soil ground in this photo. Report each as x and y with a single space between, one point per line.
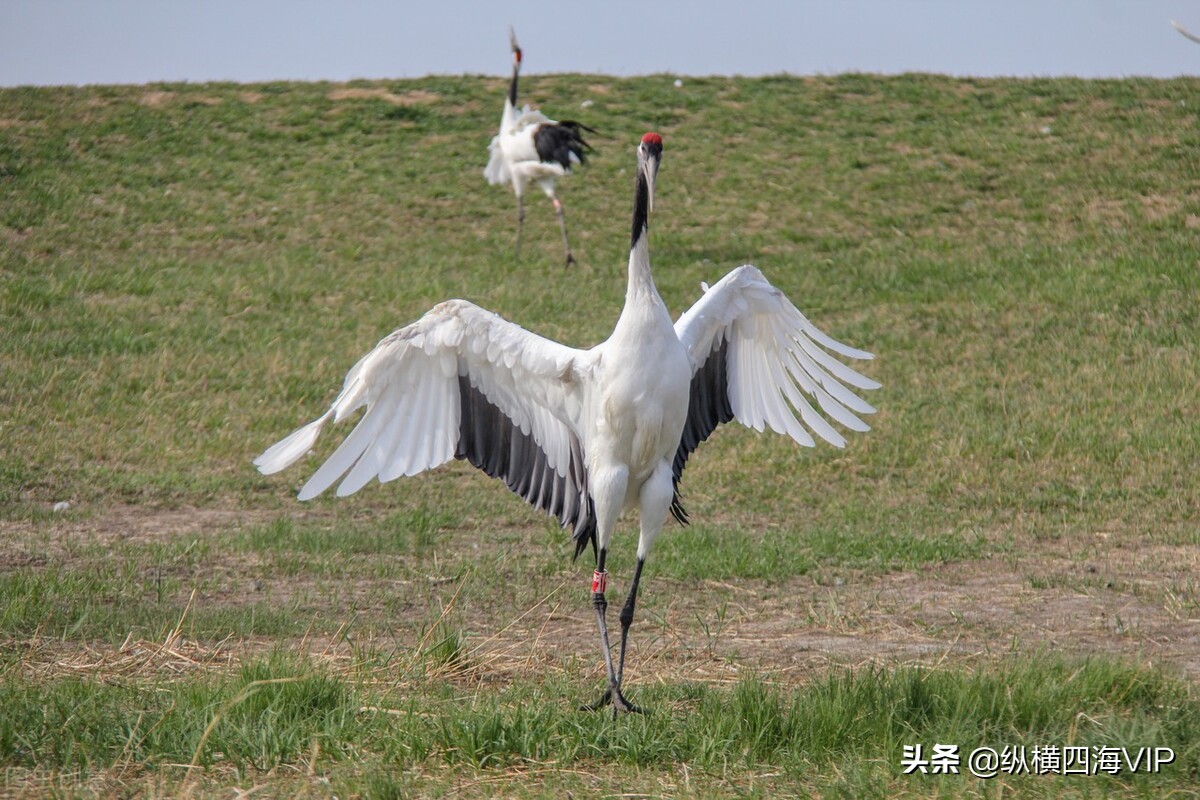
1135 602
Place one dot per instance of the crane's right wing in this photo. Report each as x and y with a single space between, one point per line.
461 382
757 359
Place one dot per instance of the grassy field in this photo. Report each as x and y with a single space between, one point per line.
1010 558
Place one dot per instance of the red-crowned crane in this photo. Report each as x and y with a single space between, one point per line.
584 434
532 148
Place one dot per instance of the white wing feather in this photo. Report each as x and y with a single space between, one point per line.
409 384
777 368
497 170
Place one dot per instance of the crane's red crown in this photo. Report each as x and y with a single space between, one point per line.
652 138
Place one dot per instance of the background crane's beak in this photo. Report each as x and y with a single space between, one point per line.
512 39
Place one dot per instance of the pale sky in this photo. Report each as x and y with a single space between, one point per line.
47 42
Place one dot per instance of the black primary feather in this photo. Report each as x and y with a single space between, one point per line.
557 143
489 440
708 407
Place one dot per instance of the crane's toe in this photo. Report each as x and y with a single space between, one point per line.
623 706
604 700
619 703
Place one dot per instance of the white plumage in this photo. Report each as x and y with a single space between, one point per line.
584 434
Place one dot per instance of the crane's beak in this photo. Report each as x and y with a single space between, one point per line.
516 48
649 157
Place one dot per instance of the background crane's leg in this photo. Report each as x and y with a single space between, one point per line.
520 222
562 223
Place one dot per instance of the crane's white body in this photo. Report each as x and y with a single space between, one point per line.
513 158
641 380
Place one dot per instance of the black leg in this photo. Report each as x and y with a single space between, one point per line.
562 223
627 617
613 693
520 223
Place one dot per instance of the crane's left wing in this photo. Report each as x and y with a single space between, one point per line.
757 359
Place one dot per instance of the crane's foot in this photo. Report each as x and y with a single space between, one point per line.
619 703
571 259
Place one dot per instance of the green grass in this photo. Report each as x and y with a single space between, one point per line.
848 728
706 552
187 272
109 604
207 265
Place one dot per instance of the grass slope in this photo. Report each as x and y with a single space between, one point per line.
187 271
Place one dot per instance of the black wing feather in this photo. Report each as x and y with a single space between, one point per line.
708 407
489 440
557 142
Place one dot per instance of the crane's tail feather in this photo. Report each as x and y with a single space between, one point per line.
576 124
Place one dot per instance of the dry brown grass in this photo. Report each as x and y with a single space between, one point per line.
1102 595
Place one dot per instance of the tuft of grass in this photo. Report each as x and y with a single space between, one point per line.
274 712
112 602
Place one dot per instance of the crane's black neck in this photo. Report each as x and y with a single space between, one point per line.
512 87
641 209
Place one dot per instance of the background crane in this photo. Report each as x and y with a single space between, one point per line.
532 148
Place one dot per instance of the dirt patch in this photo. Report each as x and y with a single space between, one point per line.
132 524
1110 213
52 658
1136 601
414 98
973 609
968 612
1157 207
156 99
13 236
